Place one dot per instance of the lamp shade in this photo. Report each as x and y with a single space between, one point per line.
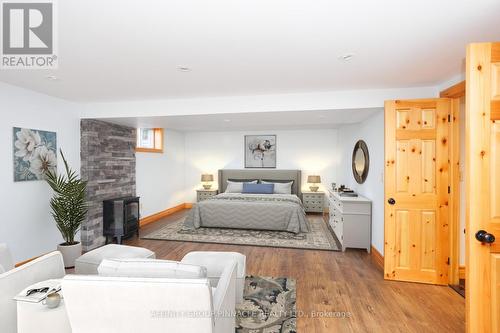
207 177
314 179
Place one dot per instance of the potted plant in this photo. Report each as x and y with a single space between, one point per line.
69 209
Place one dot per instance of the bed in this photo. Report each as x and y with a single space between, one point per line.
280 212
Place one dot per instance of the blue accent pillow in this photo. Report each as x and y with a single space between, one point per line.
258 188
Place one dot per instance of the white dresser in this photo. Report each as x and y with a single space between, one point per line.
351 219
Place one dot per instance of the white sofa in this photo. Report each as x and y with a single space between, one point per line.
139 304
49 266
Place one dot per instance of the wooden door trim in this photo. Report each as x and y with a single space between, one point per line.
454 156
456 93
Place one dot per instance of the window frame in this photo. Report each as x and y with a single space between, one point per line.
158 142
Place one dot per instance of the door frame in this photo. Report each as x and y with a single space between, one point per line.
455 93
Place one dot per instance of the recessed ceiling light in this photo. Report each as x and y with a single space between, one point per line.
51 77
227 120
346 57
184 68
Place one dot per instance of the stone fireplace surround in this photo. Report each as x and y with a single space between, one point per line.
108 164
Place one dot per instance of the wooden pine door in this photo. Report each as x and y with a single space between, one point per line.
416 190
482 158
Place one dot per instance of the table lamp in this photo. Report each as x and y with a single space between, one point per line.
314 180
206 180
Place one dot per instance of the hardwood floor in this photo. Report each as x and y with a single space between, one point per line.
330 284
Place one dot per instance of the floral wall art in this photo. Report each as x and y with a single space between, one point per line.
35 153
260 151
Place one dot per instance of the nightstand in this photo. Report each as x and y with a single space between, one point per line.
313 201
205 194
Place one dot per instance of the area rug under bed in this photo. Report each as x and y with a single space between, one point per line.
319 238
268 306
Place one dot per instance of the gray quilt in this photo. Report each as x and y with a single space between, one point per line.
281 212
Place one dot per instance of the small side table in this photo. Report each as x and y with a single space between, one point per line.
313 201
36 317
205 194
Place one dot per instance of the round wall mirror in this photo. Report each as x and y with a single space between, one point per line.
360 161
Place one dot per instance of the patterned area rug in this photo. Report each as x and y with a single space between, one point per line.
319 238
268 306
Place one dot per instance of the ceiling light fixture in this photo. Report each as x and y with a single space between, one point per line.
227 120
346 57
51 77
184 68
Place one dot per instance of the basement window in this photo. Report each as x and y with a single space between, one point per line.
149 140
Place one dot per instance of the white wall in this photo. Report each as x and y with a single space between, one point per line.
371 131
160 177
312 151
27 226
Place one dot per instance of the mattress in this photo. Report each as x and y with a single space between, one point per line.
281 212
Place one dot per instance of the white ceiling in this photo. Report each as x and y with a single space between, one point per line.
120 49
250 121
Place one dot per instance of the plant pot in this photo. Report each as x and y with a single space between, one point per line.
70 253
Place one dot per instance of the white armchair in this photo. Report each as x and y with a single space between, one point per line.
135 304
215 262
49 266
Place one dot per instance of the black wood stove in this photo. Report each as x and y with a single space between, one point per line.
120 218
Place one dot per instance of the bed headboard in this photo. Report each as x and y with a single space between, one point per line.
227 174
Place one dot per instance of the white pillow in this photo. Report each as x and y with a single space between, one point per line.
281 188
150 268
236 187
